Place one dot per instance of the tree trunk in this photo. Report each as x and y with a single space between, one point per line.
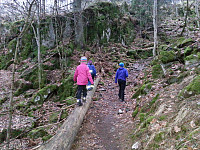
155 27
11 94
13 75
197 12
78 23
38 44
43 7
65 136
186 16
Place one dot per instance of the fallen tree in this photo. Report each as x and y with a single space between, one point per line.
65 136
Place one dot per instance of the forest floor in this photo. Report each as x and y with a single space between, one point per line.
109 123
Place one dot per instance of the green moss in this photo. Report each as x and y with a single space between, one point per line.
154 146
67 88
159 137
14 133
36 133
3 100
190 57
23 88
162 117
188 51
147 121
43 94
104 16
12 45
21 105
53 117
157 71
192 89
198 55
167 56
182 42
163 47
154 99
144 89
33 78
46 138
135 112
142 116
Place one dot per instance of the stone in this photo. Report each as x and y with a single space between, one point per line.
137 145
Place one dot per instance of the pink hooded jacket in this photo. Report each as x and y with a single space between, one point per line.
82 75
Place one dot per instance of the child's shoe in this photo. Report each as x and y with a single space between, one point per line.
84 99
79 103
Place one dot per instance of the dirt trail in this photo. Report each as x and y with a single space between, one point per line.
104 128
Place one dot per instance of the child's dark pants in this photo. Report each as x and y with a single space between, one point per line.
81 88
122 85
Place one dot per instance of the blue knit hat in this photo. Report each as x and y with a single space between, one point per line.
121 64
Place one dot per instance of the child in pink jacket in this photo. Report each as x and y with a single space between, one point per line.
81 76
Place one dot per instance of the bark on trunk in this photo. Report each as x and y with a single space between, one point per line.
78 23
155 27
186 16
25 27
38 44
64 138
197 12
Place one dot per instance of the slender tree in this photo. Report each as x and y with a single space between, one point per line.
186 16
197 12
25 27
155 26
39 44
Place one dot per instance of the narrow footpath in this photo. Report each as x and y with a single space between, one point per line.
108 125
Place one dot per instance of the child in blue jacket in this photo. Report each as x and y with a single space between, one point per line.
121 76
93 74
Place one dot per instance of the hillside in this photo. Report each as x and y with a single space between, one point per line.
162 101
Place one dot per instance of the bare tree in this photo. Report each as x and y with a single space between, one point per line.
24 29
186 16
197 12
155 27
78 23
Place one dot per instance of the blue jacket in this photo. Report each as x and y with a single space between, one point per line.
92 70
121 73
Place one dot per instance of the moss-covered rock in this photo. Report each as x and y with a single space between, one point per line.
192 89
163 47
182 42
191 61
43 94
67 88
23 87
14 133
157 71
33 78
188 50
105 22
36 133
144 89
167 56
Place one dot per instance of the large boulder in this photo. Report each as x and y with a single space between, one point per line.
192 89
43 94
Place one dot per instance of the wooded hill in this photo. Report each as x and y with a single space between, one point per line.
38 56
